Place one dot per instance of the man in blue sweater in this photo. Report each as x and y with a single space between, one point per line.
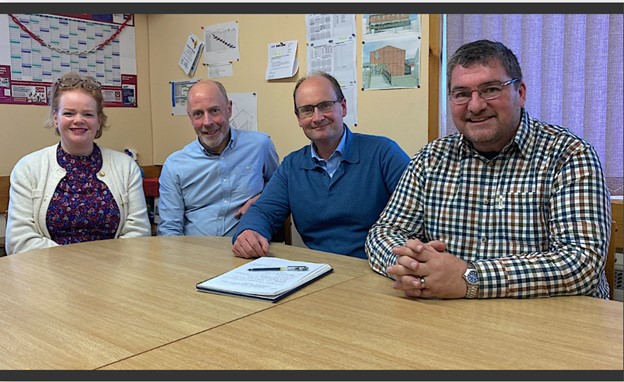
335 187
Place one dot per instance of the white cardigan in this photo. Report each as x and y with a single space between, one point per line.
34 179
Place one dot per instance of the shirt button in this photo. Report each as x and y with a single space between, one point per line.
491 164
486 201
484 240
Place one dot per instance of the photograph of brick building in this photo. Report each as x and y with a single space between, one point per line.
393 59
391 51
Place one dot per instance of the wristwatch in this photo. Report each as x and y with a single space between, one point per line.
471 276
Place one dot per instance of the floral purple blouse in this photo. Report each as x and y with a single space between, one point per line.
82 207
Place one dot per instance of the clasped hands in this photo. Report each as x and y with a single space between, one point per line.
425 270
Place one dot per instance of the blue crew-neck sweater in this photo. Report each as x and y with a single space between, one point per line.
331 214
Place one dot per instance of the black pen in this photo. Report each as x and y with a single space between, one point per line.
289 268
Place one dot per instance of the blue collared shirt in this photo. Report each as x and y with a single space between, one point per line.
330 165
200 192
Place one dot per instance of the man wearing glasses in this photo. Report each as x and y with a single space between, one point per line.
335 187
508 207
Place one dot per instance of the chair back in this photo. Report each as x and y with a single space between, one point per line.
4 194
4 207
616 242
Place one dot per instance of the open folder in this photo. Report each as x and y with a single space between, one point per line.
266 278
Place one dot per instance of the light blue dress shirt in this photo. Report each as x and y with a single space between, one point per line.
330 165
200 192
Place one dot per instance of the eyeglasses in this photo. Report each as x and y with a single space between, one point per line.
488 92
76 82
308 110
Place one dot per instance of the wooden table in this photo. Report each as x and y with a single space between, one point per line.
83 306
363 324
132 304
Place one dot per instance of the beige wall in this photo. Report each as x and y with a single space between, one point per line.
22 132
398 114
151 129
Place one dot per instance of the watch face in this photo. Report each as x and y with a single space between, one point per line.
472 277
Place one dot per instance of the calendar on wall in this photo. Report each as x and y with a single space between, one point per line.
39 48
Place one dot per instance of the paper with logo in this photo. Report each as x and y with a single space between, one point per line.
283 62
191 54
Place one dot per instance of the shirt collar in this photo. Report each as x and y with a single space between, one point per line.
525 136
522 141
339 149
349 150
230 146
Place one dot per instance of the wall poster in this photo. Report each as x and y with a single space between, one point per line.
36 49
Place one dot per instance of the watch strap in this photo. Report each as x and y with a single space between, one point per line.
473 288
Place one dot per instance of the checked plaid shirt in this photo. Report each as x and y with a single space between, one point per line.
535 220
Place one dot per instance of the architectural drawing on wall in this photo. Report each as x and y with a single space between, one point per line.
244 111
391 51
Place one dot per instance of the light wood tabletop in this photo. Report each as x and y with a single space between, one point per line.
365 324
83 306
132 304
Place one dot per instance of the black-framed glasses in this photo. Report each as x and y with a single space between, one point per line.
307 111
488 92
77 82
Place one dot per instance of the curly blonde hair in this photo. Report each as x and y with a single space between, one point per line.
74 81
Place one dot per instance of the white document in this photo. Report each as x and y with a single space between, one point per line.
244 111
331 48
190 54
282 60
179 91
337 57
221 43
267 285
329 26
220 70
350 93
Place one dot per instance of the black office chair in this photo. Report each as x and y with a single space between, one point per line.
4 206
284 234
615 244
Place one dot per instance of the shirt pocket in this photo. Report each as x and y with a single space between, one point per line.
522 213
248 179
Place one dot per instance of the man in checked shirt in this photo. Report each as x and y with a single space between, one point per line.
508 207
